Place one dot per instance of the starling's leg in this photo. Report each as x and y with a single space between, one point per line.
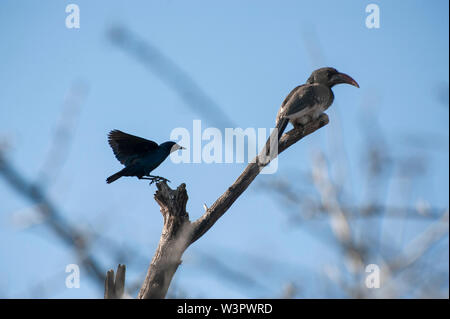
152 179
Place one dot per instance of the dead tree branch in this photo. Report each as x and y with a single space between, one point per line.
179 233
115 287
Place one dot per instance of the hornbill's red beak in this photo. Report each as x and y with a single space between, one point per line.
344 78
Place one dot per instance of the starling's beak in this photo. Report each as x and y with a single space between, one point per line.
176 147
344 78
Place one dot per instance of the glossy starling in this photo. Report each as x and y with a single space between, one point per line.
140 156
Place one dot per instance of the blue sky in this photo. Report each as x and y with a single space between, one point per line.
247 56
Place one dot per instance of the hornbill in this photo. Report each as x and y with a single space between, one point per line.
307 101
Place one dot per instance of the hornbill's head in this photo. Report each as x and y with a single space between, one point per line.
330 77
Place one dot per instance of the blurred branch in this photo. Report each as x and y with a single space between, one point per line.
341 216
59 149
226 272
307 208
338 220
63 229
172 75
421 244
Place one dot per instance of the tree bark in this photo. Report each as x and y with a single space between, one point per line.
115 287
173 242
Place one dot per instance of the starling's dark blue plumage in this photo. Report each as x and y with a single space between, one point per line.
140 156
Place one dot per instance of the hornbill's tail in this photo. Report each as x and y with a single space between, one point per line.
114 177
276 135
282 126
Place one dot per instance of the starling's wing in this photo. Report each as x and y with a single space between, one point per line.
127 147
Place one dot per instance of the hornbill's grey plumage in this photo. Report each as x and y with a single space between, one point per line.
306 102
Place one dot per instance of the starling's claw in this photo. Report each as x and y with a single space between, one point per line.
158 179
162 179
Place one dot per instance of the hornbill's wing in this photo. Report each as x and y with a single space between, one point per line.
305 97
299 102
288 97
126 146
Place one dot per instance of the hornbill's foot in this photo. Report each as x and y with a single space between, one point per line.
323 118
300 127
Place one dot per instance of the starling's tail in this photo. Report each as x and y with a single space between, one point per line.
114 177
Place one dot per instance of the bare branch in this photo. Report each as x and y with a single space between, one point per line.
221 205
178 232
114 287
172 244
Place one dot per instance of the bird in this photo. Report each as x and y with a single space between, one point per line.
139 155
308 101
